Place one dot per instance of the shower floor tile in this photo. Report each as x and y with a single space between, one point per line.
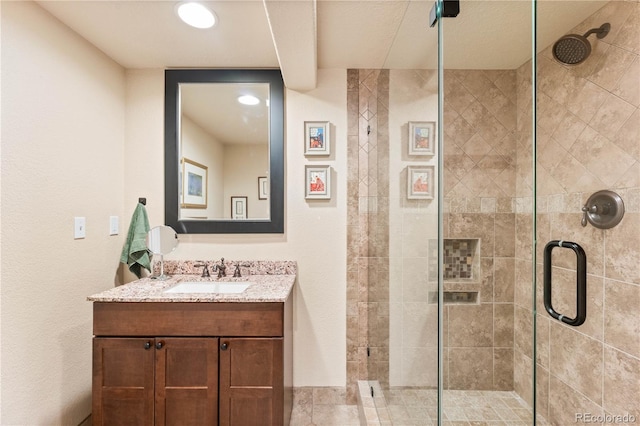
413 407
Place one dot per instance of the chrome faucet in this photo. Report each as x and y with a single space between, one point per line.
205 270
221 268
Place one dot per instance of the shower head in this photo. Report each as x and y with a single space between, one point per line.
573 49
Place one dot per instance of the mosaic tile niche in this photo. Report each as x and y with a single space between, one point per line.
461 261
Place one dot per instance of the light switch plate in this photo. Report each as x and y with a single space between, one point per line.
114 226
79 227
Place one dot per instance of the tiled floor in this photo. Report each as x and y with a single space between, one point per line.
322 407
412 407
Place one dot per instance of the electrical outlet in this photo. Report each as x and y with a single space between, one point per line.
79 227
114 226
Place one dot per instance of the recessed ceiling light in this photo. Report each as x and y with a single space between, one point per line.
196 15
248 100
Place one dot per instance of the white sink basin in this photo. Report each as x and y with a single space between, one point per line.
209 287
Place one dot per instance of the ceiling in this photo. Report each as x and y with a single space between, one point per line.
215 109
302 36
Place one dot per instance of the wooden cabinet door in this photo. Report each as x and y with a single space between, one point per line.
123 381
186 381
251 381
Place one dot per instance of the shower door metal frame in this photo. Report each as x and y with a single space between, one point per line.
534 206
440 198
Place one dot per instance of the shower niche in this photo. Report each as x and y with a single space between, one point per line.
461 260
461 271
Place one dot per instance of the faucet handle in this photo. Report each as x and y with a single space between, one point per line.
205 270
585 212
236 272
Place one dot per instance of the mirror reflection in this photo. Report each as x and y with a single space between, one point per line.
161 240
224 151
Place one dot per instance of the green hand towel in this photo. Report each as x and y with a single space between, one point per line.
135 253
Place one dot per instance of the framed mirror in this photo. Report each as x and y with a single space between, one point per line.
224 151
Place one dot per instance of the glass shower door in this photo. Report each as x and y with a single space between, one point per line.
474 161
588 128
487 214
397 157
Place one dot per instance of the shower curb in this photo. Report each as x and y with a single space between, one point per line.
372 411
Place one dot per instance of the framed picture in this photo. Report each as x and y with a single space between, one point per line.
422 137
420 182
194 185
238 208
317 182
263 188
317 140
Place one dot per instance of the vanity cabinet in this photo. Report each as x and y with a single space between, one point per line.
141 381
192 364
251 381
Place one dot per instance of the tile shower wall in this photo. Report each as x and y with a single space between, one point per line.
588 135
368 228
479 184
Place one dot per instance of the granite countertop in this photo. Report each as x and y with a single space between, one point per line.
273 285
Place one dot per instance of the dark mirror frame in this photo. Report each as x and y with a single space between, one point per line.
173 78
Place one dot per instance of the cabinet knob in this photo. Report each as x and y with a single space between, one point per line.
159 345
147 345
224 346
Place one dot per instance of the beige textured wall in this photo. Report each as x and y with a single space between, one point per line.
588 138
243 164
62 156
201 147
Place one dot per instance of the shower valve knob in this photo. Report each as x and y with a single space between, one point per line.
604 210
